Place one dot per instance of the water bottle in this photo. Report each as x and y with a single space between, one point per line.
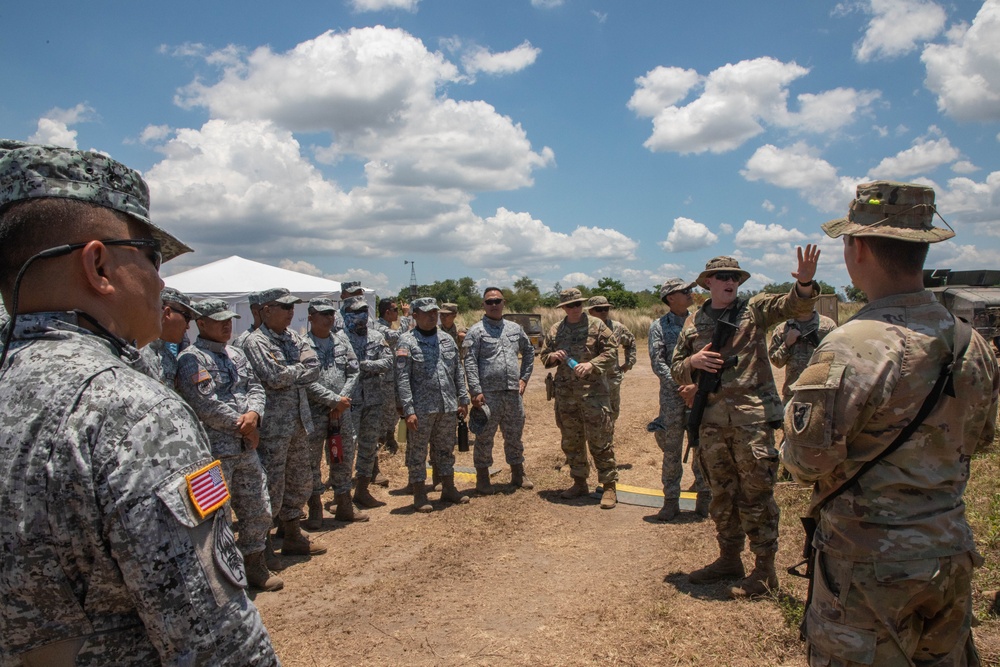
463 436
573 363
334 444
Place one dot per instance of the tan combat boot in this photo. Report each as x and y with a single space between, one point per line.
483 486
449 493
420 502
363 497
378 479
271 559
315 520
761 581
669 511
345 508
728 565
578 489
518 479
297 544
610 496
258 575
435 478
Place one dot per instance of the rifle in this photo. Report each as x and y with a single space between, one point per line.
709 383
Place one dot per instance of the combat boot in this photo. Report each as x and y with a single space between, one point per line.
449 493
378 479
258 575
363 497
420 502
391 445
517 477
579 488
315 520
761 581
483 486
345 508
701 504
728 565
610 496
669 511
297 544
435 478
271 559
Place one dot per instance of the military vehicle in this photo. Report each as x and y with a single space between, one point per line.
972 295
532 325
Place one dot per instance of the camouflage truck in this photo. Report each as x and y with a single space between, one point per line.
532 325
972 295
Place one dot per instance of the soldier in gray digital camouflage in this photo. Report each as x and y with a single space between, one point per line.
254 299
348 289
583 351
286 366
724 343
668 427
330 401
114 527
160 356
496 378
894 554
431 387
217 382
388 312
600 307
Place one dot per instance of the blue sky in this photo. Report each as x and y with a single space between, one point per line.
563 140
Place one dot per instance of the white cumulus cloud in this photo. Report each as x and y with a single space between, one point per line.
924 156
578 278
755 235
896 27
481 59
798 167
547 4
380 5
54 127
687 234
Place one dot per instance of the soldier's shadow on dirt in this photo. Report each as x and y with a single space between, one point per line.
684 518
719 591
554 496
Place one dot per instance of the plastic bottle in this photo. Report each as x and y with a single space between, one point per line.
334 444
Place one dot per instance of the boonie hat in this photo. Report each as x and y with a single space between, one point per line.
277 294
354 304
568 296
32 171
449 308
424 304
597 302
216 309
322 305
717 264
671 285
180 298
479 418
891 210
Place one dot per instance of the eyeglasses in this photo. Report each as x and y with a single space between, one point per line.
727 276
493 302
393 309
685 291
283 306
155 256
573 306
601 309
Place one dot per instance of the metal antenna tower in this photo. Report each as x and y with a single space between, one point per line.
413 277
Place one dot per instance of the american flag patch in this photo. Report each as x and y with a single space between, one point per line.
207 488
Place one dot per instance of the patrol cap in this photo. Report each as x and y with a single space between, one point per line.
216 309
322 305
449 308
169 294
723 263
254 299
32 171
671 285
353 304
351 286
277 294
424 304
902 211
598 302
479 418
570 296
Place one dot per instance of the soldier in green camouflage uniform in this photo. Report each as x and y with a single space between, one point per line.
583 350
737 451
793 343
107 557
894 552
599 307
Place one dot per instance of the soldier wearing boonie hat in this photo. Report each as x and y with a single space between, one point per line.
663 333
136 565
723 348
583 351
160 356
898 531
599 307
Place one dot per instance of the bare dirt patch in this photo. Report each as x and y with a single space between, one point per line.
523 578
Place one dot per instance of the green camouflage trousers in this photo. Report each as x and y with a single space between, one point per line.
248 498
615 395
891 613
741 464
585 423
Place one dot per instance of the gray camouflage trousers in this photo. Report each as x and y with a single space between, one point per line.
340 473
390 415
248 498
891 613
287 461
673 415
741 465
367 428
585 423
435 435
507 414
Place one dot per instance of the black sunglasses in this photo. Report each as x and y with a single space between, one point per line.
726 276
601 309
493 302
156 257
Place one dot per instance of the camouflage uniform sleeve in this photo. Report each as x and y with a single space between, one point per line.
658 356
627 340
404 392
379 365
773 308
606 348
353 367
461 389
196 386
680 366
549 346
256 396
777 351
272 373
527 355
471 359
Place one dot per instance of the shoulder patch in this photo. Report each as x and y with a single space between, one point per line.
402 352
201 376
207 488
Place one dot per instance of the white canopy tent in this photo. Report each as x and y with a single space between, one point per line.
234 278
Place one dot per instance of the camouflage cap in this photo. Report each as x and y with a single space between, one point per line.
479 418
351 286
180 298
671 285
353 304
322 305
254 298
598 302
901 211
216 309
570 296
278 294
723 263
424 304
31 171
449 307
